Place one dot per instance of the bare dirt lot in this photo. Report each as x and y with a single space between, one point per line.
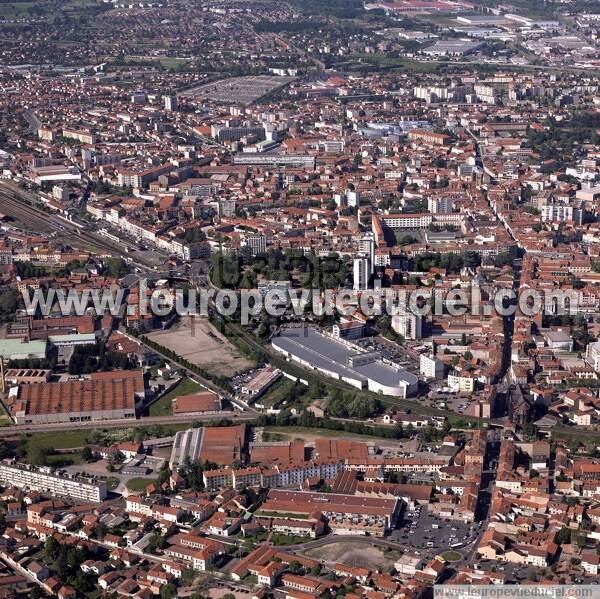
365 556
291 433
201 344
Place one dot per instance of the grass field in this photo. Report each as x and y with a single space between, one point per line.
452 556
365 62
442 19
280 540
172 62
168 62
271 436
112 483
79 438
164 406
269 514
138 485
281 433
278 393
15 10
60 439
566 434
5 419
60 460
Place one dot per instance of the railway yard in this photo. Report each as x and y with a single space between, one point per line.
19 206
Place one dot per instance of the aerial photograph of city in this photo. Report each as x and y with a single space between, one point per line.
300 299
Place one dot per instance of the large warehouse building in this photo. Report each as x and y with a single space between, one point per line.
344 361
347 514
103 396
218 444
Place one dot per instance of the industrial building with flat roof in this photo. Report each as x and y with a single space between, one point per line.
347 514
102 396
17 349
27 376
259 383
344 361
453 48
223 444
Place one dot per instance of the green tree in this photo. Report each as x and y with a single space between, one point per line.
101 530
8 305
156 543
248 280
116 267
81 583
188 576
168 591
36 455
192 472
51 549
295 567
36 592
164 475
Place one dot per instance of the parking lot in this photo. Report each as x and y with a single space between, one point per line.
390 351
457 402
433 535
238 89
514 572
239 380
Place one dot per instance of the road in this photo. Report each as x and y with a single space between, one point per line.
485 494
18 568
508 321
19 429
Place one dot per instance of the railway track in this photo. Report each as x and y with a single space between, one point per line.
20 429
23 212
19 206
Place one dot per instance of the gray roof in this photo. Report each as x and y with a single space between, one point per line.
10 348
323 352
